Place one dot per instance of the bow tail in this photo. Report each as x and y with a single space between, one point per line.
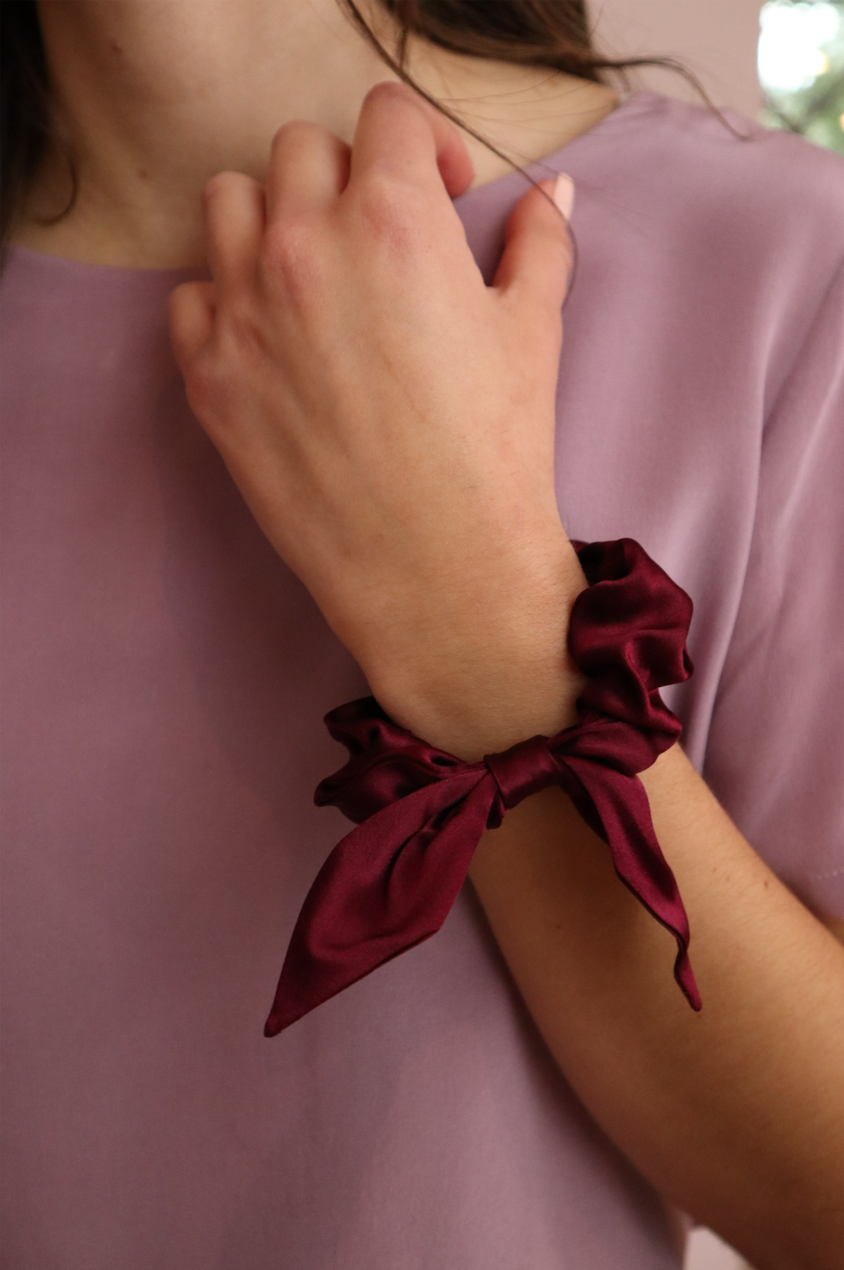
621 804
387 886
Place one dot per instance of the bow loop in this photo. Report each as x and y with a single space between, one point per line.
628 634
420 812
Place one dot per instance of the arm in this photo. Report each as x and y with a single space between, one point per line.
390 422
835 927
737 1114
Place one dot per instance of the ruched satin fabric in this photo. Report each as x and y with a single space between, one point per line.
420 812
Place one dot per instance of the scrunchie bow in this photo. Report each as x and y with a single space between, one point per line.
420 812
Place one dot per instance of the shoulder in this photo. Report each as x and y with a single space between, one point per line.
767 205
746 222
780 182
686 184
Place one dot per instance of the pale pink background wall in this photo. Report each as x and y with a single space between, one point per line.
717 40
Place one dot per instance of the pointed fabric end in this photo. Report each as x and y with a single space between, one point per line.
420 812
274 1025
386 887
291 1002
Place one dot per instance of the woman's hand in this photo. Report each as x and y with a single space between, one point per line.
389 418
390 422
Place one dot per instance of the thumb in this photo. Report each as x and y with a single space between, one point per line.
191 310
538 254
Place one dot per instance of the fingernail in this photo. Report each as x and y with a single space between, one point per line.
563 194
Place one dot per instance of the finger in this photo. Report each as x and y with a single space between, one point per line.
399 134
309 168
537 259
191 309
234 212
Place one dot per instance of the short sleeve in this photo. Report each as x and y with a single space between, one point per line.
775 752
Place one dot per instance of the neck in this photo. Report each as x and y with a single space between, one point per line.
155 96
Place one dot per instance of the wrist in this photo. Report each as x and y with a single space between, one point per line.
421 812
492 669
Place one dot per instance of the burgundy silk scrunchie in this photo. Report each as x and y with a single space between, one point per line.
420 812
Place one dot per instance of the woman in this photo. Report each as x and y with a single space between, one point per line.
389 420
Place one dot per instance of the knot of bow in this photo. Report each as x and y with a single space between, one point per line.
420 812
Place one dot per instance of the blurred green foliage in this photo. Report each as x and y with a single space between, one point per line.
816 110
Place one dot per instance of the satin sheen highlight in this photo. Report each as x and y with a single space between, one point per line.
420 812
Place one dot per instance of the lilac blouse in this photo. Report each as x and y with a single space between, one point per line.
165 679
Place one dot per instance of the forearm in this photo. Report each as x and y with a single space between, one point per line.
409 483
737 1113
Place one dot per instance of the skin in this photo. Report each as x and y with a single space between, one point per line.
156 96
737 1113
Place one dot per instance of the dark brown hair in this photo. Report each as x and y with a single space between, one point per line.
25 126
543 33
550 33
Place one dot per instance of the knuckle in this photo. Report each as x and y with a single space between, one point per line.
399 110
389 93
293 135
215 376
392 210
290 253
223 183
242 334
217 185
